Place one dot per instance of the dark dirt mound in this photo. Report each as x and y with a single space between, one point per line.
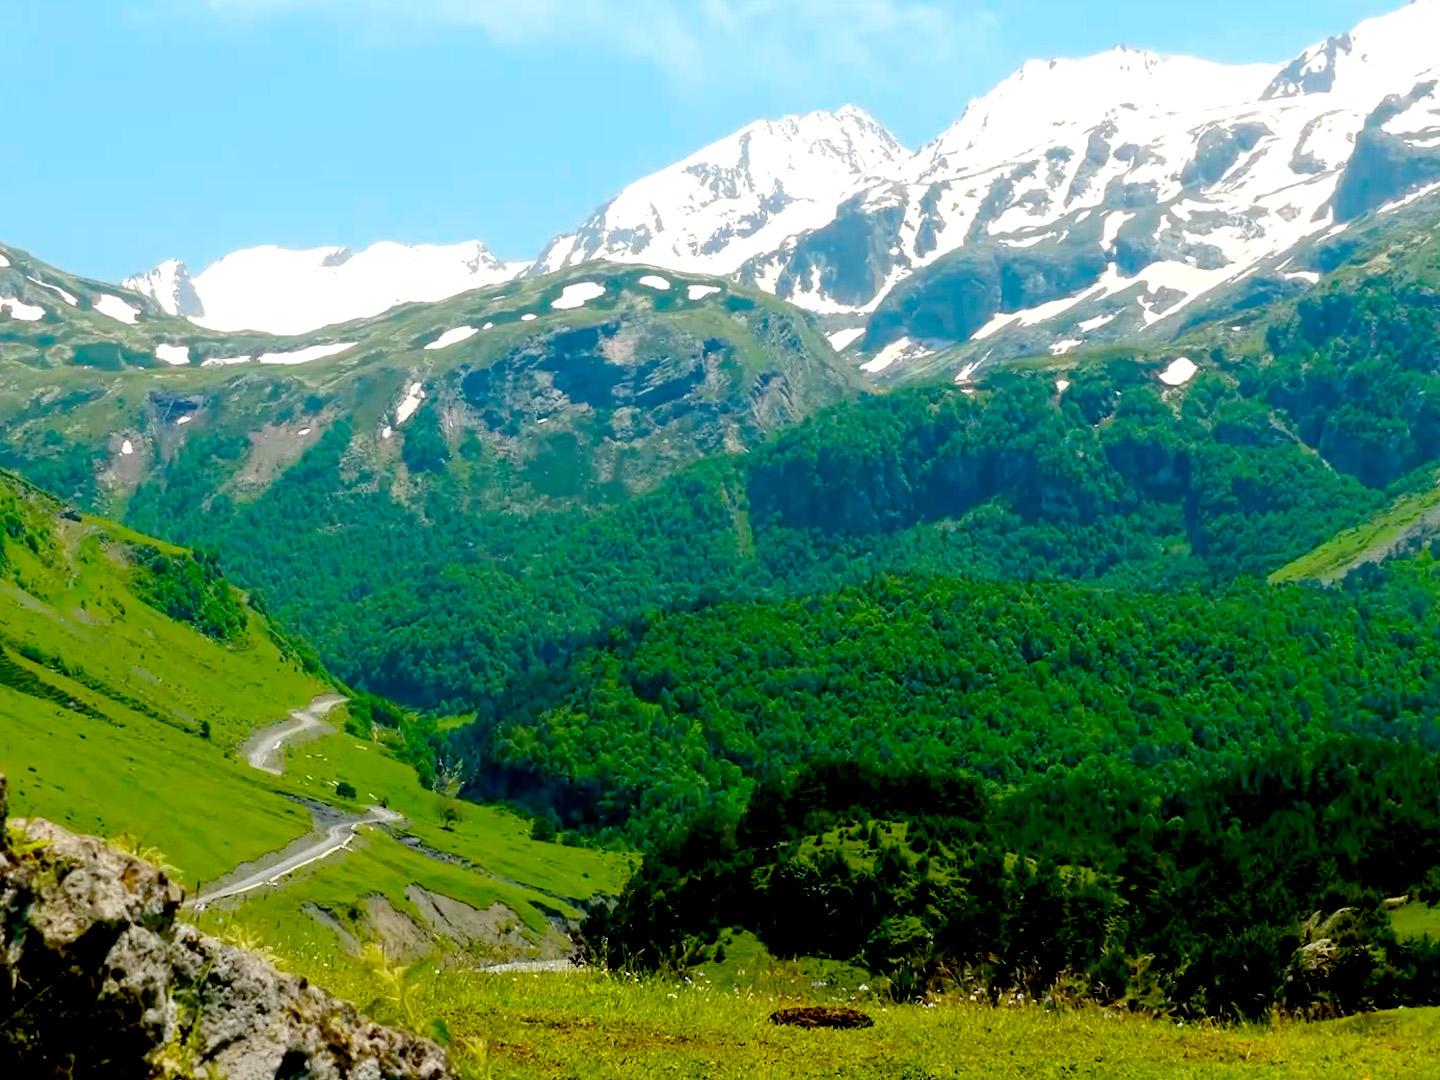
822 1016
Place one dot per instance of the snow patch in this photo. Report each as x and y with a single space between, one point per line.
1029 241
4 262
127 448
174 355
578 295
1061 385
700 292
1031 316
1179 372
226 361
406 409
894 353
993 327
452 337
387 433
1060 348
183 421
1096 323
21 310
967 373
1304 275
1113 224
529 316
1413 197
843 339
488 326
69 298
305 356
653 281
117 309
304 431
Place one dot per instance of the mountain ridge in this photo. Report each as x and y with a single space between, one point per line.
1151 182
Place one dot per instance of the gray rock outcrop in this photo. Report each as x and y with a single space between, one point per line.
97 978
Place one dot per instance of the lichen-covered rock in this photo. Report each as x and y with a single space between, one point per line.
97 978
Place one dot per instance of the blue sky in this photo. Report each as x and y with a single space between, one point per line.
143 129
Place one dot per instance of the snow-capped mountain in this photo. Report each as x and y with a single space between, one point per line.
170 286
283 291
1079 201
738 198
1081 198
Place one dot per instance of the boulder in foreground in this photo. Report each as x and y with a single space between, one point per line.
97 978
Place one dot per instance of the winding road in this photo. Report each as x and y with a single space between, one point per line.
266 751
336 838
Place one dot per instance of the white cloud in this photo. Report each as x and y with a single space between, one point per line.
695 40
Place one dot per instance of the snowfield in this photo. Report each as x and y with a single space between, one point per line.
117 309
174 355
409 403
305 356
68 297
452 337
578 295
1180 372
285 291
18 309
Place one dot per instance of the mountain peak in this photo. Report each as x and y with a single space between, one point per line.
1383 54
738 197
1043 95
171 287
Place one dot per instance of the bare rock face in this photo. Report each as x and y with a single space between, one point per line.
98 979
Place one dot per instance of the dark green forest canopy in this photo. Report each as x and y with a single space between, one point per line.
686 712
1224 896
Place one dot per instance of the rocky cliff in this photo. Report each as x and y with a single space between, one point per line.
97 978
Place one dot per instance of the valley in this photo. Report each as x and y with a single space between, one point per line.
993 588
128 723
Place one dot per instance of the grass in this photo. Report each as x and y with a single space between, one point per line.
106 703
118 721
1415 922
593 1026
489 837
169 790
1336 557
377 866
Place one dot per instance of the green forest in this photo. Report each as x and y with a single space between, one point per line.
1223 896
688 713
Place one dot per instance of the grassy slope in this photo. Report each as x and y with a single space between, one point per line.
66 421
107 736
589 1025
114 746
1416 921
1410 517
488 836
